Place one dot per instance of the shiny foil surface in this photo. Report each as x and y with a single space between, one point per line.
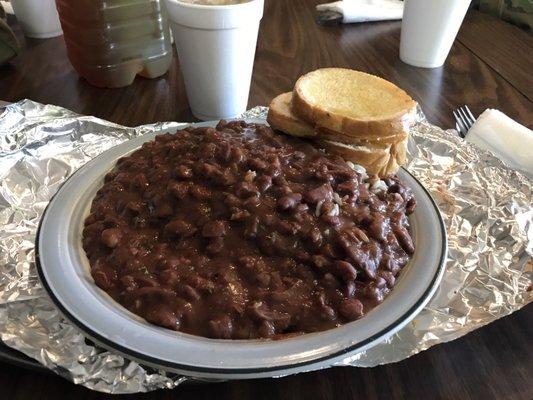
487 209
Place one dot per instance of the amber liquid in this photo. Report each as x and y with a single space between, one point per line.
215 2
109 42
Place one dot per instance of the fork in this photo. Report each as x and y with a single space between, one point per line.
463 120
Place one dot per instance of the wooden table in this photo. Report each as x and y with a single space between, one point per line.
489 66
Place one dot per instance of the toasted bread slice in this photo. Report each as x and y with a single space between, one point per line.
354 103
281 117
373 159
328 134
381 160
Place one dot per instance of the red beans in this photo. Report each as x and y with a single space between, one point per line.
238 232
319 193
345 270
164 318
101 279
351 309
221 327
183 172
246 189
111 237
257 164
180 227
289 201
179 189
404 238
214 229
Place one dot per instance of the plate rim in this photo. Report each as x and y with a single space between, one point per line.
391 328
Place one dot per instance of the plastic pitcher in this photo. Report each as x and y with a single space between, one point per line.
109 42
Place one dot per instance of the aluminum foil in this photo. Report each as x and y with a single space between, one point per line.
486 206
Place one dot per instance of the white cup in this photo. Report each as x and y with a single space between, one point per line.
429 28
216 49
38 18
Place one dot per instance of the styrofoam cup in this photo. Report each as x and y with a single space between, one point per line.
38 18
429 28
216 49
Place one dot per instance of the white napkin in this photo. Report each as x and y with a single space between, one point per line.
510 141
364 10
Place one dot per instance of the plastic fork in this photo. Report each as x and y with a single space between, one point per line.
463 120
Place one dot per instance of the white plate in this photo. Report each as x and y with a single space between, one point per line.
64 272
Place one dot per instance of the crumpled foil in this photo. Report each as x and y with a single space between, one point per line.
487 209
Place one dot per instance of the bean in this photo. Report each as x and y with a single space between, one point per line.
214 229
128 282
207 150
135 207
189 293
349 289
200 192
239 215
179 189
380 282
221 327
101 279
252 202
389 278
351 309
257 164
183 172
251 227
266 329
301 208
245 190
202 284
169 277
329 280
145 281
264 182
377 228
289 201
164 318
327 313
232 200
262 279
319 193
261 312
348 187
403 237
320 261
237 155
163 210
215 246
180 227
345 270
224 178
111 237
289 227
153 291
224 152
332 220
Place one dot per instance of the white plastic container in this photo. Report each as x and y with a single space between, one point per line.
429 28
38 18
216 49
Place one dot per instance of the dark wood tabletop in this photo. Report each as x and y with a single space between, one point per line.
489 66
